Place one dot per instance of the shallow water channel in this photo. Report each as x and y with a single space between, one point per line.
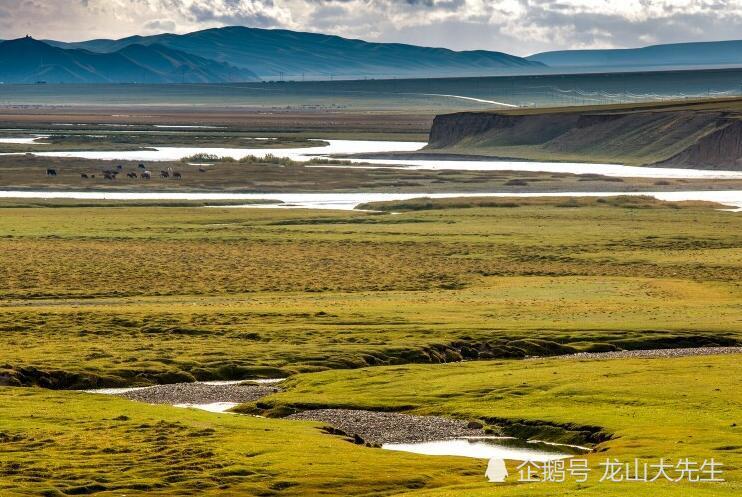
213 405
342 147
488 448
495 449
348 201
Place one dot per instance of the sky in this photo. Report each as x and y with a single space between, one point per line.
520 27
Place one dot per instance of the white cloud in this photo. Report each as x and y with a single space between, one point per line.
515 26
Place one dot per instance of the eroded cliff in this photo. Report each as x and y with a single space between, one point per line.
690 136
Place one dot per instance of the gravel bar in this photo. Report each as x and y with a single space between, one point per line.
385 427
199 393
639 354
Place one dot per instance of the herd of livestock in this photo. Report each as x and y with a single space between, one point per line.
111 174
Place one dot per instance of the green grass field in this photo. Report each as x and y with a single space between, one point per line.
653 408
151 293
225 293
54 443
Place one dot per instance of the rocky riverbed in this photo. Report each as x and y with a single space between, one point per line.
663 353
199 393
385 427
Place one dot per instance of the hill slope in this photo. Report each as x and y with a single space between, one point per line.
717 53
26 60
695 135
270 52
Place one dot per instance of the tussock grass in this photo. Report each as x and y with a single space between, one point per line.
99 296
652 408
141 295
68 443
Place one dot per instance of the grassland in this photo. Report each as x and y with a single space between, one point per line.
55 443
107 140
652 409
373 95
117 295
66 443
252 175
410 125
94 295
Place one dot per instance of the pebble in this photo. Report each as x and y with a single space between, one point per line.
631 354
386 427
199 393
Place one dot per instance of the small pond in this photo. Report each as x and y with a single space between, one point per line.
496 449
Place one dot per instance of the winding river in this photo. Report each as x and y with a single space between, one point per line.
367 147
349 201
346 201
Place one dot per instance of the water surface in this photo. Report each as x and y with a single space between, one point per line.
24 141
348 201
485 448
366 147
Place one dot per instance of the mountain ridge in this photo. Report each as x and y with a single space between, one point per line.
702 53
272 53
26 60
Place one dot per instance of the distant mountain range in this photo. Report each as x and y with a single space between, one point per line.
236 54
273 53
712 53
26 60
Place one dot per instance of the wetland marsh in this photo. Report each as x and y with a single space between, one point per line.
469 312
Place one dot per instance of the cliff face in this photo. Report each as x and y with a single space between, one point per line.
670 138
497 129
720 149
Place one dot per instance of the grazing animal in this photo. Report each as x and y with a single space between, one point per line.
92 175
146 175
83 175
141 166
201 170
164 174
51 172
119 167
131 175
177 175
109 175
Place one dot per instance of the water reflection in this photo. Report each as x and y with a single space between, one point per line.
488 448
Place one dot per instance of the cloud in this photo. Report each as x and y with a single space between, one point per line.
159 25
514 26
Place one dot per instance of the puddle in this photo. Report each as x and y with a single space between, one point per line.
495 449
220 407
489 448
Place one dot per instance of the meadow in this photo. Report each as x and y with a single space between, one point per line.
55 141
136 295
274 175
647 408
55 442
374 95
372 310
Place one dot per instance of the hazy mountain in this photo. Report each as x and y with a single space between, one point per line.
716 53
270 52
26 60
